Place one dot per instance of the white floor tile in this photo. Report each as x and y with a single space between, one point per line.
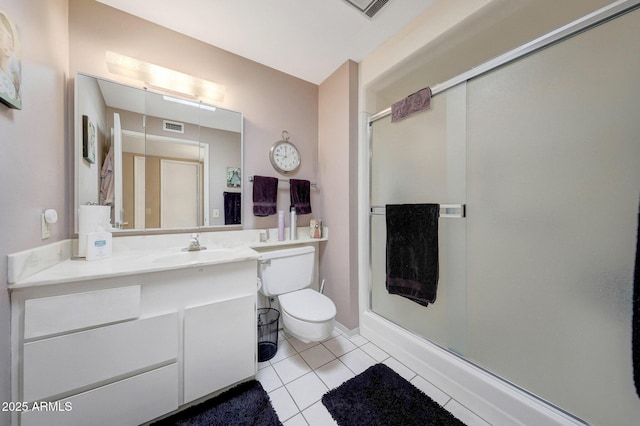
432 392
317 356
399 368
375 352
268 379
300 345
307 390
357 360
358 340
299 375
464 414
339 345
285 350
317 415
283 404
297 420
334 374
291 368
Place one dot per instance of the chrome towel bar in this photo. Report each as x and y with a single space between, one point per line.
446 210
313 184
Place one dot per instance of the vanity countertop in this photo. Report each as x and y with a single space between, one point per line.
130 263
53 264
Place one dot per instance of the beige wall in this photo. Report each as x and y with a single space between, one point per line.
34 156
337 152
271 101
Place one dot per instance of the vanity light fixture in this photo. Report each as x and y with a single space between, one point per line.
164 78
368 7
190 103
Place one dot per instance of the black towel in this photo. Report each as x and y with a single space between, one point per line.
300 191
232 208
635 333
265 195
412 251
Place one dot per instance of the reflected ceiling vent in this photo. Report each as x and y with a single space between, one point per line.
368 7
173 126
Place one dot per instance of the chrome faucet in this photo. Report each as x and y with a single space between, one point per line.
194 243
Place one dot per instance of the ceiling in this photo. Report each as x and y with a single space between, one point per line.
308 39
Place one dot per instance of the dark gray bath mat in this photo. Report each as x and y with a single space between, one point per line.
246 404
380 396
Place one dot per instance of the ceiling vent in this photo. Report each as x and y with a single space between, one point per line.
368 7
173 126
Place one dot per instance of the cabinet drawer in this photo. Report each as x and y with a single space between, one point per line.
62 364
58 314
128 402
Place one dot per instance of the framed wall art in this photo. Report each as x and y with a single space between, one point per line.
10 63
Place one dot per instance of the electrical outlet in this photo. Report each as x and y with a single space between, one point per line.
45 228
216 213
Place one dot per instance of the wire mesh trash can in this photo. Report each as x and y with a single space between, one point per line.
267 333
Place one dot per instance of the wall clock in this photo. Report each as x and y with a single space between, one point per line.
284 155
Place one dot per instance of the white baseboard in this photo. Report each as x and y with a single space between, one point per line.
347 331
496 401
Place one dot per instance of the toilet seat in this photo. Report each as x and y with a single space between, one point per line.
307 305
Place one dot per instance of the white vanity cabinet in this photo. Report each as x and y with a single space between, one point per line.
127 349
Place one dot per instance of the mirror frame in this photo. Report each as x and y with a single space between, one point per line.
77 124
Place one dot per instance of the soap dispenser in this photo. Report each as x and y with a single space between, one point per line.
293 227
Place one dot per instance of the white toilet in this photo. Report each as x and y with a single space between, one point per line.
306 314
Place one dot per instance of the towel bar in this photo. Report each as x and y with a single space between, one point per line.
446 210
315 185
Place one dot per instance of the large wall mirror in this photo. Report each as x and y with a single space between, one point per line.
161 162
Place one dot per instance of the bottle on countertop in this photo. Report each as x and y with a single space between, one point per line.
293 226
281 225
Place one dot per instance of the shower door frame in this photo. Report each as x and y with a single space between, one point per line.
498 386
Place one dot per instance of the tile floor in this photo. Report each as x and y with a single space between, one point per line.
300 373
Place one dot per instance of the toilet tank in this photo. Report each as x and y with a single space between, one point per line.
286 270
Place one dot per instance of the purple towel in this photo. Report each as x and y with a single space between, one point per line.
265 195
300 191
419 101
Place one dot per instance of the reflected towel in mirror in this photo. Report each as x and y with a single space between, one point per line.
232 208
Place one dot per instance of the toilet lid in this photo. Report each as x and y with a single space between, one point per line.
308 305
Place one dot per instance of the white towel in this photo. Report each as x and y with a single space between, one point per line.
106 180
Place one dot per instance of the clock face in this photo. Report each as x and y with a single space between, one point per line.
284 156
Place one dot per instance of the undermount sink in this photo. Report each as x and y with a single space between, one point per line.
192 257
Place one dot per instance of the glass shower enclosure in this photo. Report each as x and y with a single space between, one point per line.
536 281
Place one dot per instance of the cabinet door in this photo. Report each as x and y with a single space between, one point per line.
219 345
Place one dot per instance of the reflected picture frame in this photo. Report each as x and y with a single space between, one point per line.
88 139
234 179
